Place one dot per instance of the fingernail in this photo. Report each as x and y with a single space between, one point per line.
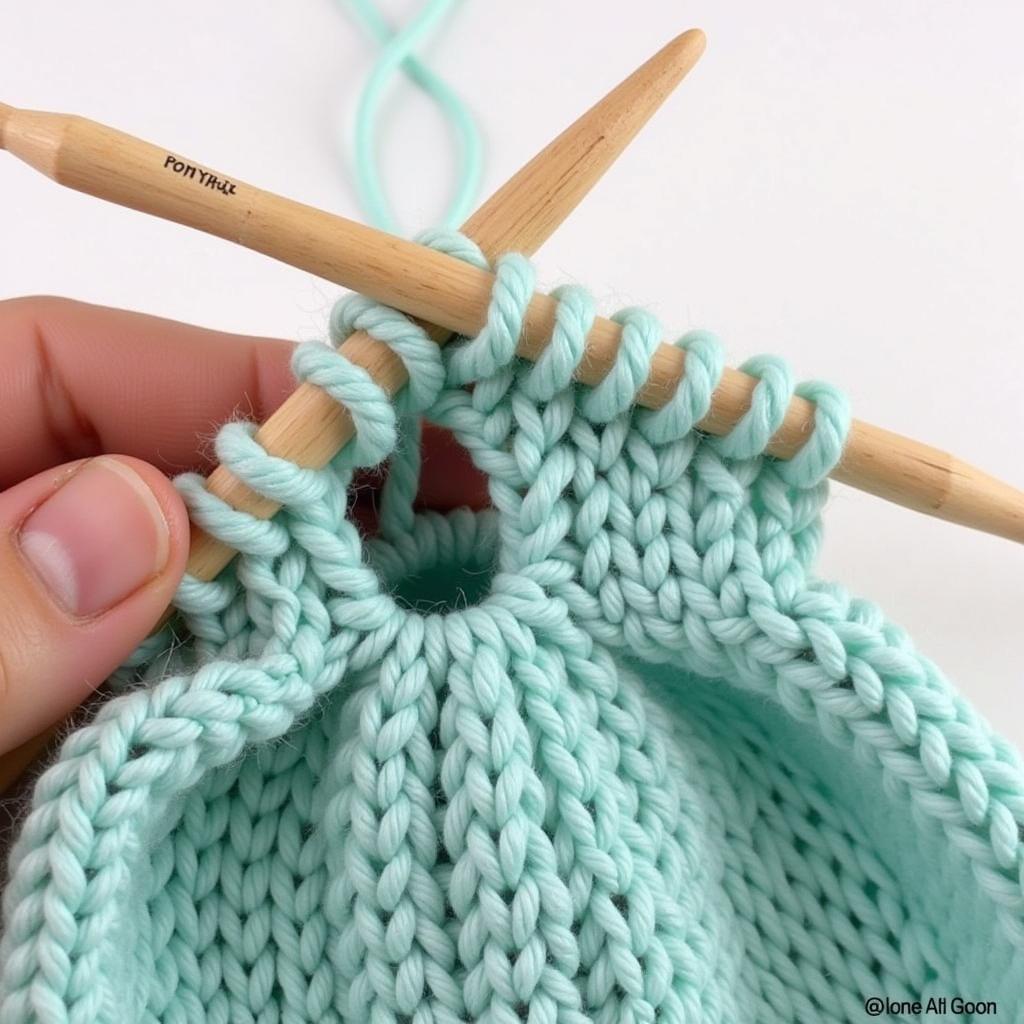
98 538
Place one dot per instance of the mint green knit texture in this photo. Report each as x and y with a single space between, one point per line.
642 766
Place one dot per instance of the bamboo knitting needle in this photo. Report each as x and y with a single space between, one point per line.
111 165
310 427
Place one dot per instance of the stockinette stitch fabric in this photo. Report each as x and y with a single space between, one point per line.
605 752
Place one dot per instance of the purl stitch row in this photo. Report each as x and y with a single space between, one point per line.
658 772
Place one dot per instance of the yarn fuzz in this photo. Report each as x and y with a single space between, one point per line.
606 752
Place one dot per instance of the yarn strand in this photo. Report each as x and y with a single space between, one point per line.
398 51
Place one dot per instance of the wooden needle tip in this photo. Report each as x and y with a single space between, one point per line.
692 40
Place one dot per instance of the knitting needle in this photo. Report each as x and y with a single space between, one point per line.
440 289
310 427
111 165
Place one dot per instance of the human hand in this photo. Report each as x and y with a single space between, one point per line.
96 406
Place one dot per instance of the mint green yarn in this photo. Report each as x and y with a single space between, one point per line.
398 51
606 752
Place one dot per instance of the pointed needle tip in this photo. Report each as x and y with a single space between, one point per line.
693 39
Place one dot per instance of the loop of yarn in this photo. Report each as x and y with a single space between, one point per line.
822 450
554 370
455 244
771 398
495 346
242 531
641 335
657 773
691 400
273 477
372 412
410 342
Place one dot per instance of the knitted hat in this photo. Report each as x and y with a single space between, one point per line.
605 752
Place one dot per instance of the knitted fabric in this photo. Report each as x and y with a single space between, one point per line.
605 752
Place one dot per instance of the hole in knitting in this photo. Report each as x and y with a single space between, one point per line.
443 565
621 904
445 589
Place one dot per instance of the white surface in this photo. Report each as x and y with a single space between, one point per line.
842 184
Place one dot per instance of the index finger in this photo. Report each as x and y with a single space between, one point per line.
79 380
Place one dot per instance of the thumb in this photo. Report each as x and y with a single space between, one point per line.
90 556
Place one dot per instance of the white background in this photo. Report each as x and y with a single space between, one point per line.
842 184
